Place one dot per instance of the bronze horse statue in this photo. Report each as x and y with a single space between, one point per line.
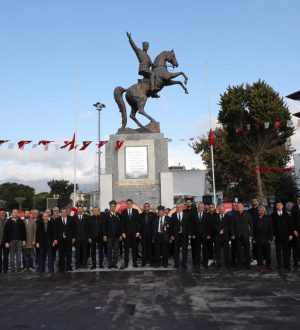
137 94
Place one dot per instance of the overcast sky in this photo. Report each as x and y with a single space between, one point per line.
45 43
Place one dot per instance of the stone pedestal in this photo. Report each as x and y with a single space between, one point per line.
138 170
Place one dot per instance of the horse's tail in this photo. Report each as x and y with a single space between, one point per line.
118 92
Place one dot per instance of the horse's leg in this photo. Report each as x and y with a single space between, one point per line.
177 82
176 74
133 116
142 112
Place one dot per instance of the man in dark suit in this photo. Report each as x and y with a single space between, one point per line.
112 234
201 233
95 236
220 236
283 228
254 214
242 232
3 249
213 244
81 237
161 237
146 219
65 236
296 235
45 240
262 237
233 251
15 238
181 233
130 226
54 217
191 213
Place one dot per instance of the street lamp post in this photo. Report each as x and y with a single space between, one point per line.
99 106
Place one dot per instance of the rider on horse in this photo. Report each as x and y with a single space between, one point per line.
145 63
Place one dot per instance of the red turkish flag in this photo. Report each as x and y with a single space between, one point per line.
211 138
70 144
276 169
3 141
277 124
101 144
45 143
289 169
119 144
22 143
85 144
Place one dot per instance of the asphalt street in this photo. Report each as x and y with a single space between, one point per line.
151 299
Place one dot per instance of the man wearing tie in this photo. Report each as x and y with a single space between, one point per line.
81 237
220 235
146 219
283 233
112 234
181 233
130 225
201 233
65 236
161 237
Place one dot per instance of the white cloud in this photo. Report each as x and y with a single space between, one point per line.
36 164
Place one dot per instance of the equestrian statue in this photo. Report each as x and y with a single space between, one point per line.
155 77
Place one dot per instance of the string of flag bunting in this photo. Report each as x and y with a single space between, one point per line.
273 170
266 125
71 144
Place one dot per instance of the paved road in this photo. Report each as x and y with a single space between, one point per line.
151 299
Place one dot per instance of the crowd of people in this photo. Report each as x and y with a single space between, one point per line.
238 238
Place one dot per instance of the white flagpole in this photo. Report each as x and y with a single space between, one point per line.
211 144
75 150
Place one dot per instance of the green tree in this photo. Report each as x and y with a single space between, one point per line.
40 200
254 105
62 188
286 188
10 191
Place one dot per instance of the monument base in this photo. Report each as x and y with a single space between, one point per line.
138 170
152 127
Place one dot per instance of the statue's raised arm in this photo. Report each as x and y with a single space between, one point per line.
133 45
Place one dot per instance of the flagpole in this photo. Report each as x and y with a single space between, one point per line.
210 138
75 149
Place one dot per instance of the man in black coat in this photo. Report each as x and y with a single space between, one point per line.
262 237
14 237
65 236
181 233
233 250
283 228
201 233
161 237
45 241
3 249
220 236
112 234
81 237
242 232
146 219
191 213
296 236
254 214
130 227
95 236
